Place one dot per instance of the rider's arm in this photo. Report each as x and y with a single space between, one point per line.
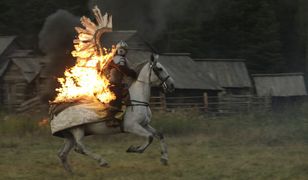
123 68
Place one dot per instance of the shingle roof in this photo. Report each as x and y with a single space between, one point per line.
3 66
137 56
17 53
21 53
5 41
229 73
186 73
289 84
181 68
29 66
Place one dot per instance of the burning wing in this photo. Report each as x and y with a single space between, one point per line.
88 42
86 80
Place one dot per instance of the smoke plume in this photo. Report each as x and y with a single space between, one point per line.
148 17
56 41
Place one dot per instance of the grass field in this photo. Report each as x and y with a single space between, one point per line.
255 146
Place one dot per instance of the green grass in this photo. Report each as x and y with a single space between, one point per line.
255 146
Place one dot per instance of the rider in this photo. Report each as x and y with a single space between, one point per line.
118 68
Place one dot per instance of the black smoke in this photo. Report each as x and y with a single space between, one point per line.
56 41
152 17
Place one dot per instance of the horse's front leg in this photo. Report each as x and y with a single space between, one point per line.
163 145
135 128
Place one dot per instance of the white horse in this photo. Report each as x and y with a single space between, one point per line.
136 119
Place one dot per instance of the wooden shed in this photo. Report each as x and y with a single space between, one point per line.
286 88
231 74
8 44
19 79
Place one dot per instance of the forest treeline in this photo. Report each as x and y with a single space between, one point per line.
270 34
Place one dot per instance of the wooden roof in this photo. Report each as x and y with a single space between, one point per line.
181 67
229 73
29 66
16 54
283 85
5 41
186 73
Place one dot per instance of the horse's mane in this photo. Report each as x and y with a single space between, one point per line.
139 66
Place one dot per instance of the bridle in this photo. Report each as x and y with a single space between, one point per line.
162 84
156 71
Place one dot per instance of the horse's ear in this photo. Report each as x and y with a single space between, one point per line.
152 57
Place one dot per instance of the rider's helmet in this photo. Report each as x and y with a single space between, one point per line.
121 48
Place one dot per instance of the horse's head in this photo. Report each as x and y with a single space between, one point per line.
160 75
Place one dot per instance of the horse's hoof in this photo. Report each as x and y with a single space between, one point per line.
68 168
104 164
133 149
164 161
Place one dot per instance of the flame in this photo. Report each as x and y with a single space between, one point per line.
43 122
86 80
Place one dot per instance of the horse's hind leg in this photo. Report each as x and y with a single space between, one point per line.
78 134
64 151
163 145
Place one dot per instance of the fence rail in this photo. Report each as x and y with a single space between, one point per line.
213 104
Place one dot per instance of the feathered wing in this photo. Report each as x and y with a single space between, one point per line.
87 42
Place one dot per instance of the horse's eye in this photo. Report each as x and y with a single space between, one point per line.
159 69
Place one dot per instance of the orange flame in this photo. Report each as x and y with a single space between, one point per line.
86 80
43 122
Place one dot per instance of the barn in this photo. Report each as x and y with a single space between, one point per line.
285 88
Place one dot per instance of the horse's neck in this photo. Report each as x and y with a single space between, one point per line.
140 90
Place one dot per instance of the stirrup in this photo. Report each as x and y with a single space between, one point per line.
114 109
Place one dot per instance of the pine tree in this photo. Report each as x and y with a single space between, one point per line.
246 29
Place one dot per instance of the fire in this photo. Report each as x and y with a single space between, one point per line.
43 122
86 80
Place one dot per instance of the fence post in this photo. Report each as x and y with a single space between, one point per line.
163 101
206 102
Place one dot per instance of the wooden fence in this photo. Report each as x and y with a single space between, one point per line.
213 104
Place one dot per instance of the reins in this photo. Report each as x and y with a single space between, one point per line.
163 83
141 103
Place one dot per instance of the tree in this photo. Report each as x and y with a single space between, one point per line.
303 28
249 30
